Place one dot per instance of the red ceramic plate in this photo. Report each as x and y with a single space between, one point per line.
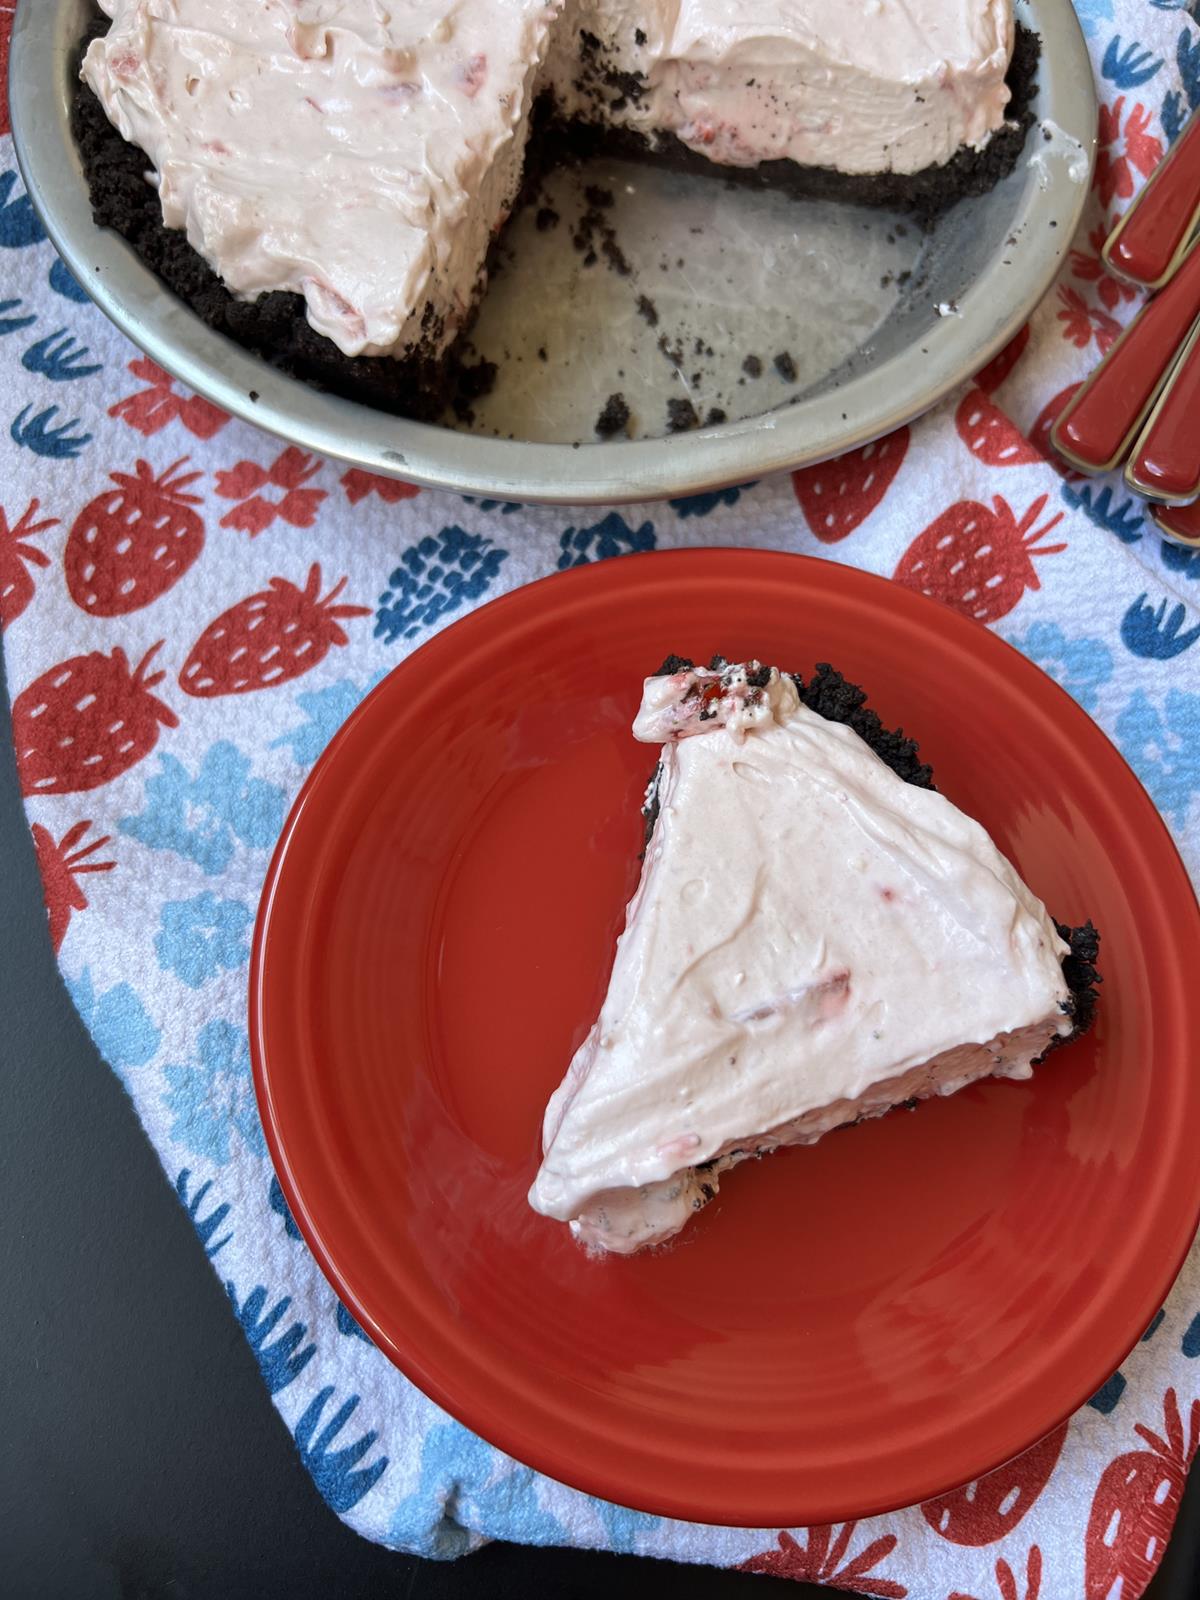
850 1327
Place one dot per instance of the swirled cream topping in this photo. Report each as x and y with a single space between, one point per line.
813 940
363 153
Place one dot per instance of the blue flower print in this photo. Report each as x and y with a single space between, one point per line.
40 434
611 537
283 1359
1097 504
11 318
624 1526
1081 665
64 282
19 224
201 937
1163 747
1176 558
215 1094
211 1221
325 710
118 1022
1177 106
203 818
278 1204
458 1469
333 1471
59 358
348 1324
436 577
1131 67
1149 631
1093 14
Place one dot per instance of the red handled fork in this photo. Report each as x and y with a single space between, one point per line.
1143 400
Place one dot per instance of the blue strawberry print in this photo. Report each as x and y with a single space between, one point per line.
59 358
504 507
1148 631
212 1097
611 537
11 321
208 1224
202 937
278 1204
1109 1393
435 578
1190 1344
283 1360
19 225
118 1022
64 282
1177 107
1131 67
333 1471
39 435
1081 665
699 505
204 818
458 1468
1163 747
1125 520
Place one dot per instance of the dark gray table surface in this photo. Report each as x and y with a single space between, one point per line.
139 1454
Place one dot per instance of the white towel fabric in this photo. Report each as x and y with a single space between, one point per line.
154 851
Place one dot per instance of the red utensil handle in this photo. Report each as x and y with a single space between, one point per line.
1166 458
1145 245
1180 524
1099 424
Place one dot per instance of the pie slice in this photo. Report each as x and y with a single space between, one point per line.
818 936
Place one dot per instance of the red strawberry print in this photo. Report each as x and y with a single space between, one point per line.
86 721
990 378
1135 1504
359 484
989 435
152 409
990 1508
836 496
131 544
1040 437
16 580
1007 1583
6 22
1142 151
60 864
290 472
820 1561
978 559
268 638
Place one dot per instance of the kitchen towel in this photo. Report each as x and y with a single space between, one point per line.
153 813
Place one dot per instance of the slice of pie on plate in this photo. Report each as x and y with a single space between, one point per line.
818 936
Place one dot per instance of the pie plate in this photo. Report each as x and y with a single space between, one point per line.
878 320
848 1328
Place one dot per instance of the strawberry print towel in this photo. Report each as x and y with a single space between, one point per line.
190 610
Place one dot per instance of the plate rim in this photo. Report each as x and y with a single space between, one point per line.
507 1436
607 473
